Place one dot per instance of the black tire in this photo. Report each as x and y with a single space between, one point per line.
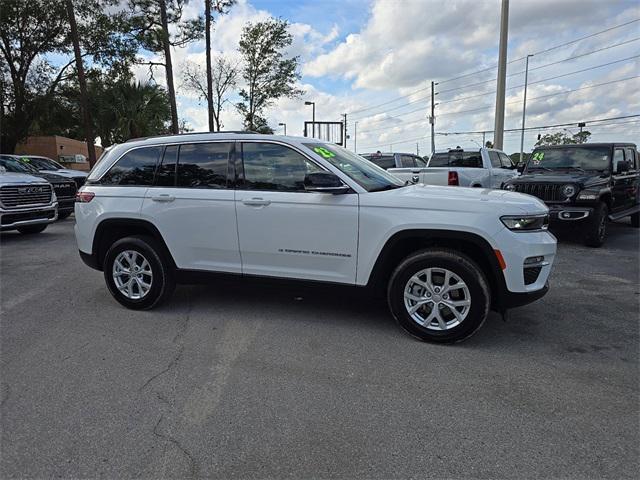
462 266
635 220
597 226
31 229
63 215
162 282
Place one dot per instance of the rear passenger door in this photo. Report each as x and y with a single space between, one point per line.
286 231
191 204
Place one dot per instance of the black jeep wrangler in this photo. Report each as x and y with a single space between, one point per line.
584 185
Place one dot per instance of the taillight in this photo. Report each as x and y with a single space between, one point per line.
453 178
84 197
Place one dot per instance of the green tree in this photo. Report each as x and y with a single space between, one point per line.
562 138
268 75
151 20
32 30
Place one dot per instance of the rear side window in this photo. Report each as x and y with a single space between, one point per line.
407 161
203 165
273 167
439 160
166 173
383 161
135 167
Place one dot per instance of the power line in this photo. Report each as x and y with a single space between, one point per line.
543 51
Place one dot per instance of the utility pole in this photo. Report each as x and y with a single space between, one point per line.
484 144
417 149
498 133
432 118
355 137
524 106
84 98
344 131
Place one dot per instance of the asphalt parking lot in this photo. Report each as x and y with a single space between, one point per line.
254 381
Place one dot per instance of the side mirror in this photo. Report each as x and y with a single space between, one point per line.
622 167
324 182
520 167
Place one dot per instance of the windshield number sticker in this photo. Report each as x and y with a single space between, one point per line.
537 158
323 152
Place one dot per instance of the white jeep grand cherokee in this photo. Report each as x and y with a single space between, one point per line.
156 209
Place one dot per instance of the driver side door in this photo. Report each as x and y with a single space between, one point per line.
285 231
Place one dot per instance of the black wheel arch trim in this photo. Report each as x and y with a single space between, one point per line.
495 276
138 226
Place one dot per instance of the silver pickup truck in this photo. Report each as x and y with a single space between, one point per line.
486 167
27 204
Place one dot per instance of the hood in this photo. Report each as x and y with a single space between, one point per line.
54 178
66 172
10 178
462 199
583 179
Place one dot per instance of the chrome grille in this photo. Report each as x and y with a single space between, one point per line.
13 196
549 192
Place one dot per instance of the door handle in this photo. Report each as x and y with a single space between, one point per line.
256 202
163 197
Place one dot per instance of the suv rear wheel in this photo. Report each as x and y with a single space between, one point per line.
439 296
137 274
597 226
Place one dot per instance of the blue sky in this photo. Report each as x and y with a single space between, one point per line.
357 54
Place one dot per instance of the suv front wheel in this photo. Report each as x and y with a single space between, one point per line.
597 226
439 296
137 274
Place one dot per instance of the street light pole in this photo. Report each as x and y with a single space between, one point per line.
355 137
524 106
313 118
285 128
502 76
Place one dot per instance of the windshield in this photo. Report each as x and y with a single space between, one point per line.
16 166
369 176
570 158
41 163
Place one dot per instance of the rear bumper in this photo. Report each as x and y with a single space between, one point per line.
15 218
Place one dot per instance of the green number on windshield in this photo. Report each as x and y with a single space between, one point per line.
324 152
538 156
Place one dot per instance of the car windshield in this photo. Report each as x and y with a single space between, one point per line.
41 163
369 176
16 166
580 158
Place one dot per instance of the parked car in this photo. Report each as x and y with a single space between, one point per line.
405 166
27 203
47 165
65 188
486 167
584 185
155 210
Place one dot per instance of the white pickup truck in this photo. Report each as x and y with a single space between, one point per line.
486 167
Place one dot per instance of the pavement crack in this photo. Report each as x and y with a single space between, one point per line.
193 465
6 396
172 363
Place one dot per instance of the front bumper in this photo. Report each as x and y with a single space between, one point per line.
513 300
567 214
66 204
11 219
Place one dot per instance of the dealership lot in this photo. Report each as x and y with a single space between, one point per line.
245 380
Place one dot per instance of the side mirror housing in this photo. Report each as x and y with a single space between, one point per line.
622 167
324 182
520 167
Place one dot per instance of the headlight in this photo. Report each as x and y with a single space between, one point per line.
526 222
568 190
510 186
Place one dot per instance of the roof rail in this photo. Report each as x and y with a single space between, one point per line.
191 133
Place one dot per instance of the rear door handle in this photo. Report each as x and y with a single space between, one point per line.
256 202
163 197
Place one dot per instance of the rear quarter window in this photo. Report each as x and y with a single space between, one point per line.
136 167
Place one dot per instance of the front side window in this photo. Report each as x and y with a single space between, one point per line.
270 166
136 167
368 175
506 161
407 161
203 165
631 158
495 159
